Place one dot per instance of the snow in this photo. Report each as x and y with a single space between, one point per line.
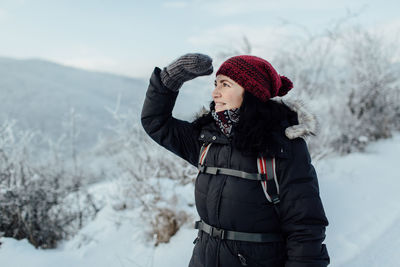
359 192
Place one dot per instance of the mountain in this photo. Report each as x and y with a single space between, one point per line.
39 95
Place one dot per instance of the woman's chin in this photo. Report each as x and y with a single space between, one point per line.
220 109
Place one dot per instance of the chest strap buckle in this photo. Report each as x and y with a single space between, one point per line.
202 168
218 233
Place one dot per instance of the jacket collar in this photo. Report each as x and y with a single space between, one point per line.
211 134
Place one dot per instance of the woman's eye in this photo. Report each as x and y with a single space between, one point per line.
223 84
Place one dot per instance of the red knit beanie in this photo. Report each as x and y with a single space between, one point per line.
256 75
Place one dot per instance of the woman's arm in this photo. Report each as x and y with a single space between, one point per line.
303 217
178 136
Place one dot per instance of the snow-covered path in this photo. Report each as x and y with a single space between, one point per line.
360 193
362 201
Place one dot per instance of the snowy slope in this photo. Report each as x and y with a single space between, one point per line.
360 195
39 95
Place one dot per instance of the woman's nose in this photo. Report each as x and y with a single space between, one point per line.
216 92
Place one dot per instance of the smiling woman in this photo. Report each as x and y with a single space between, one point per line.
256 191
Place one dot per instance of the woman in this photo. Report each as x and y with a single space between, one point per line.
247 218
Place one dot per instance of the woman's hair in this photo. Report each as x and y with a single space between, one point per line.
260 125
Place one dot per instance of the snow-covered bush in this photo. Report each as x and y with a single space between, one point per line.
42 201
148 176
350 78
371 106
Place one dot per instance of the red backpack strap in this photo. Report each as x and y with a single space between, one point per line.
270 185
203 153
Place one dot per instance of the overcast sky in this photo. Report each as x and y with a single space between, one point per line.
131 37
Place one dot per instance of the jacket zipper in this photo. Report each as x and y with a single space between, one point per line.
223 183
242 259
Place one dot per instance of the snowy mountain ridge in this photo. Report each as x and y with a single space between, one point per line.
39 95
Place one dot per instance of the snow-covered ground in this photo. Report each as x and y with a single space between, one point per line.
359 192
362 201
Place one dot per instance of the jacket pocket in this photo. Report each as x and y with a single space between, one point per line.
229 255
197 259
260 254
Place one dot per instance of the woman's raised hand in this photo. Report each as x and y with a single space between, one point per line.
185 68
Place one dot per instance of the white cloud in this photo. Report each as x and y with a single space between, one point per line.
389 28
3 14
86 56
236 7
175 4
134 69
264 39
101 64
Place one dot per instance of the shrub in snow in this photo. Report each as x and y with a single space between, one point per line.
148 177
350 76
43 202
372 109
165 222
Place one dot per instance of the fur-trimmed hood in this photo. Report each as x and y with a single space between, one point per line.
308 123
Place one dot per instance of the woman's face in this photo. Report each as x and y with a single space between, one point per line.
227 93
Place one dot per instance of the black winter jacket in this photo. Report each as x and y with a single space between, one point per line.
236 204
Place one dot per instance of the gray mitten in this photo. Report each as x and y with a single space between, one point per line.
186 68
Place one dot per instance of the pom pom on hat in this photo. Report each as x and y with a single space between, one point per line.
286 86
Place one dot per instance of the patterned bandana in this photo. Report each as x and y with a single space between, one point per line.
225 119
